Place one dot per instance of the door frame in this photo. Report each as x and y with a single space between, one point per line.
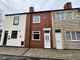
4 44
47 29
58 31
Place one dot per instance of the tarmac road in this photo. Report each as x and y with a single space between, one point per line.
10 57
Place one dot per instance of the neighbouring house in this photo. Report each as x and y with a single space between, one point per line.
14 30
1 29
66 27
38 29
2 18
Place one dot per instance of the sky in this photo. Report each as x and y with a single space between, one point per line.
20 6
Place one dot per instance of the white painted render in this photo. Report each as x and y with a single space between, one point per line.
8 26
1 27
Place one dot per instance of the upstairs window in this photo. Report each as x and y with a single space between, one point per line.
64 16
36 19
60 16
69 15
16 20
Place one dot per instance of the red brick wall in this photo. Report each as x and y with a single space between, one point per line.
46 22
27 31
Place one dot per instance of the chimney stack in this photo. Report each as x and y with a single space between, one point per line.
31 9
68 5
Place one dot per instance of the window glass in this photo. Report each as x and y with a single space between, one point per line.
47 37
68 36
69 15
78 35
73 35
46 31
62 16
36 19
14 34
57 16
36 35
16 20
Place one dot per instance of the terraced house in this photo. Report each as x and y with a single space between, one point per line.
2 17
39 29
14 30
66 27
58 29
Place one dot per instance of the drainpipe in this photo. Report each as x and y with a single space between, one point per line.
31 10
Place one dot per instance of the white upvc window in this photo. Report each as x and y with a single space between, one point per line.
14 34
35 35
36 19
73 36
69 15
59 16
16 20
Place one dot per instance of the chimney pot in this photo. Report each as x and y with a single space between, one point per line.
31 9
68 5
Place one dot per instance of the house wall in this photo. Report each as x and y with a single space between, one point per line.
45 22
1 29
67 25
8 26
2 19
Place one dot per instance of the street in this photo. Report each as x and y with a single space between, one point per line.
10 57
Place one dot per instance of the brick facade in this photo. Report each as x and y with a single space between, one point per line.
45 22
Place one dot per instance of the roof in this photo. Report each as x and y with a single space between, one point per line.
43 11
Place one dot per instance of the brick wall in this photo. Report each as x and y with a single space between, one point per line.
45 22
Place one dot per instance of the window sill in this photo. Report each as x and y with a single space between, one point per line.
15 24
73 40
13 38
65 20
35 39
36 23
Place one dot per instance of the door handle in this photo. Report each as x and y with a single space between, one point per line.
58 41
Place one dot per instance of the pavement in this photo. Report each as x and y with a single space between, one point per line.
37 53
9 57
53 53
12 51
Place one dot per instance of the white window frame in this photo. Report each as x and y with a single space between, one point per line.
71 36
35 33
59 16
12 34
72 15
15 20
34 17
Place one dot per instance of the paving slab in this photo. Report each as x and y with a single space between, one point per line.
39 53
9 57
52 53
12 50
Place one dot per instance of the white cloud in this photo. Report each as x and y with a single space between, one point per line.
15 6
